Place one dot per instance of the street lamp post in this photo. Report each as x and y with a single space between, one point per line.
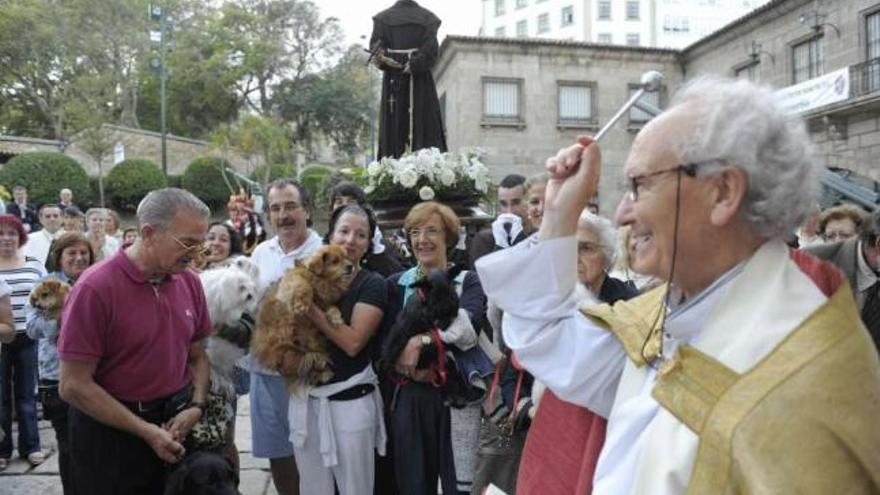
159 14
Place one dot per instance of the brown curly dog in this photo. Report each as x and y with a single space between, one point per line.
286 340
49 296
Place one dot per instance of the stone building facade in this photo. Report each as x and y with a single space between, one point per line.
506 95
534 75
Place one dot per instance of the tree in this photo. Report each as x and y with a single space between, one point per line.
130 180
334 103
274 39
35 69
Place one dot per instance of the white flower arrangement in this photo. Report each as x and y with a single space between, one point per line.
427 174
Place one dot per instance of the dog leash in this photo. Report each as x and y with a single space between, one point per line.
438 369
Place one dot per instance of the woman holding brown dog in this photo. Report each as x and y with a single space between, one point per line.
72 254
337 427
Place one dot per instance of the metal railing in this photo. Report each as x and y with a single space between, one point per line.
865 77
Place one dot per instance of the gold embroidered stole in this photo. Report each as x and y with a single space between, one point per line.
708 397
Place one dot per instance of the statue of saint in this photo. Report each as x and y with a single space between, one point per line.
404 47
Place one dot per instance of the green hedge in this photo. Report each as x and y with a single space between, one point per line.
44 174
276 171
130 180
204 178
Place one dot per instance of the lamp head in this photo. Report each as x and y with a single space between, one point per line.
651 80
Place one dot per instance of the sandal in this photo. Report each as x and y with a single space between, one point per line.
4 463
36 458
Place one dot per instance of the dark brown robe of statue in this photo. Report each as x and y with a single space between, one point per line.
403 26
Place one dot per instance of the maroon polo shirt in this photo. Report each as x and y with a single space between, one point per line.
138 332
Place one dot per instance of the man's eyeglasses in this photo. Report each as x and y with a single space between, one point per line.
636 181
191 249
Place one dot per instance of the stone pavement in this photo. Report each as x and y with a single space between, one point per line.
21 479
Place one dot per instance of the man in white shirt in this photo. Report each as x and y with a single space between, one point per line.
289 208
753 373
39 242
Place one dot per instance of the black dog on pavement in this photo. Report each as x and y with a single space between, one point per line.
202 473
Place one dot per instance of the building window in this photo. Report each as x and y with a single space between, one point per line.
604 38
604 10
577 103
872 52
500 32
632 10
502 101
748 71
872 36
522 29
636 116
543 23
808 59
567 16
675 24
632 39
499 7
521 4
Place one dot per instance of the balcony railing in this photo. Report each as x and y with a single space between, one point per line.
865 77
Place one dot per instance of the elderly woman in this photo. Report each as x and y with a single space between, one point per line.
841 223
597 246
72 254
337 427
430 440
18 360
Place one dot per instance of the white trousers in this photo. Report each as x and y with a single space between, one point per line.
354 422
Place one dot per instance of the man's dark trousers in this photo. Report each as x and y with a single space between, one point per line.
107 461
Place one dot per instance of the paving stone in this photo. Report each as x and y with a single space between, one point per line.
247 461
30 485
253 482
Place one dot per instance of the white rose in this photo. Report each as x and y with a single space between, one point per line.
408 178
369 189
426 193
374 169
447 176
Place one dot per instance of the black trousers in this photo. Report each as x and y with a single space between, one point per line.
55 410
422 444
107 461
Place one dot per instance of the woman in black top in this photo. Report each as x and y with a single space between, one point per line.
336 428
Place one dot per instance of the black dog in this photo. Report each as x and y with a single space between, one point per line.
202 473
434 305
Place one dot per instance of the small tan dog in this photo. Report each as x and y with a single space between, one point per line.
49 296
286 340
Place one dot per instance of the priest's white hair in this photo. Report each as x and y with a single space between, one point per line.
740 124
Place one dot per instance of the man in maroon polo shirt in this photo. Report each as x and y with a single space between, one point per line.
133 366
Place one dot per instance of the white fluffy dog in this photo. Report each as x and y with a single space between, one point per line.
230 292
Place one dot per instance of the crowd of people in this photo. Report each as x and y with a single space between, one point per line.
695 343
